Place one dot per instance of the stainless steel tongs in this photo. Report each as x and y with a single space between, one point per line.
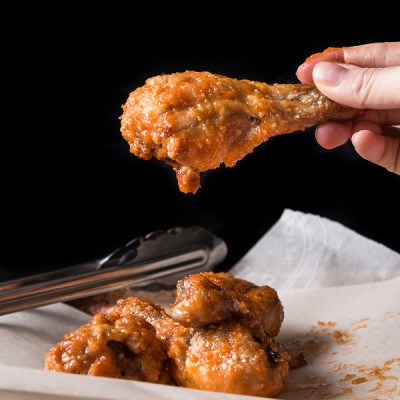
161 257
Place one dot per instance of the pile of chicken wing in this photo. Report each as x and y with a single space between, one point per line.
219 335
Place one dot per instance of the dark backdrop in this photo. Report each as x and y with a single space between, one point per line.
70 189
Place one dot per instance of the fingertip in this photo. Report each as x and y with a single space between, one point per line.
379 149
305 70
304 73
357 138
333 134
368 145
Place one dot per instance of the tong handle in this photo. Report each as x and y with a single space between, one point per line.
46 277
69 288
161 256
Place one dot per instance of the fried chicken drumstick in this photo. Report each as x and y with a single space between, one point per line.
219 337
196 121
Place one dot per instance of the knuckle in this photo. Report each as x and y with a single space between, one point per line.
363 86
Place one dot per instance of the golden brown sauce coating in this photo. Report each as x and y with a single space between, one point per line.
227 358
232 353
207 298
115 346
223 357
196 121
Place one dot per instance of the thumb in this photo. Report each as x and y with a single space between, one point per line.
377 88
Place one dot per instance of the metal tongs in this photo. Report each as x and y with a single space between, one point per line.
161 257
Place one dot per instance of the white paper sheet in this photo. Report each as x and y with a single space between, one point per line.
348 332
307 251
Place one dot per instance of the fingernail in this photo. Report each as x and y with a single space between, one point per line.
328 73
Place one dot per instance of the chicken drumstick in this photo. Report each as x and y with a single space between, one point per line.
196 121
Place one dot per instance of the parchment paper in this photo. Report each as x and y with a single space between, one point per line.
341 296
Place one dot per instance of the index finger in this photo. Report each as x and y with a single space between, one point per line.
373 55
334 54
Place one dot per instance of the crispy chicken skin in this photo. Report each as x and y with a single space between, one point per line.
115 346
233 351
207 298
196 121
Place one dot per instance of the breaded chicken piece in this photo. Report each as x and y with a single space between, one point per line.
208 297
196 121
223 357
115 346
219 337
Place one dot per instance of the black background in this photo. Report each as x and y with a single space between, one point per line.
70 189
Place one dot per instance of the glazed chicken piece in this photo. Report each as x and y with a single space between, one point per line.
231 350
196 121
115 346
208 298
220 337
224 357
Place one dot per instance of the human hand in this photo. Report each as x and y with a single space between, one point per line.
367 77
